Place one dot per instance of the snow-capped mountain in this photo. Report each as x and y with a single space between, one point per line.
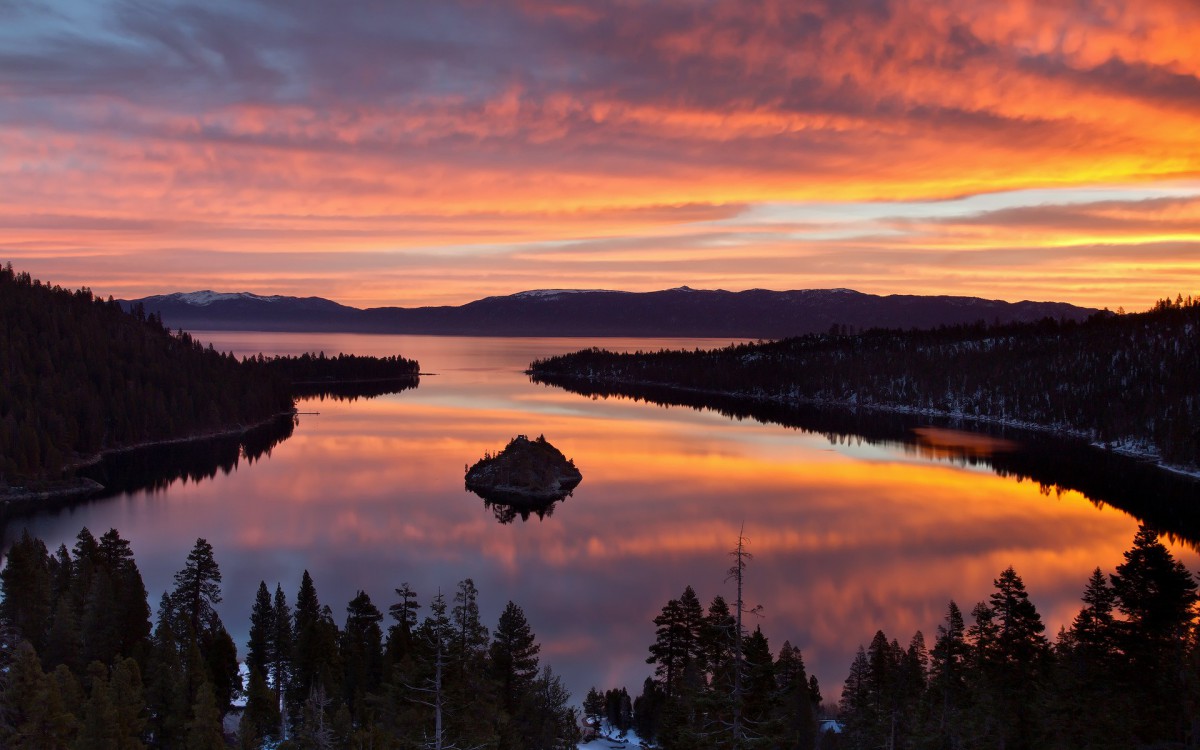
756 313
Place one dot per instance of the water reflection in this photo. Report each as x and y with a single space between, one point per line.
850 534
509 511
943 443
1163 499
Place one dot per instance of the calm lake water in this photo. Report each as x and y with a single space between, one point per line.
847 537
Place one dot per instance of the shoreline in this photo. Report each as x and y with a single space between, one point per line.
1128 447
79 488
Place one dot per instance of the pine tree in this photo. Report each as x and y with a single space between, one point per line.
97 730
37 716
1012 656
859 709
404 613
167 688
263 631
128 699
679 648
647 710
761 691
948 666
123 619
198 590
471 635
260 721
514 664
315 653
514 652
594 708
797 711
1157 595
281 652
204 729
26 585
362 651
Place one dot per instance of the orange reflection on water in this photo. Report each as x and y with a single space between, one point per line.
939 442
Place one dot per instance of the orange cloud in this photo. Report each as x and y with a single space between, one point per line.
412 158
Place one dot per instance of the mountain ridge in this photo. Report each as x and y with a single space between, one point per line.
682 311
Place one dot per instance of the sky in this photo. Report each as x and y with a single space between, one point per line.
412 153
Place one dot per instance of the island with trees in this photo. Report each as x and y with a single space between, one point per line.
524 472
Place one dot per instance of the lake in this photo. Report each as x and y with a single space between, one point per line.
848 535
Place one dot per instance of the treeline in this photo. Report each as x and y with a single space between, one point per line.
315 369
83 668
1126 379
1124 674
709 692
79 376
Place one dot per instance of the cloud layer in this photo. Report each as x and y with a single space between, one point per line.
416 152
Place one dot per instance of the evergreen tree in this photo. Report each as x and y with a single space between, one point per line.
204 729
315 658
594 708
36 715
1012 656
260 721
97 730
1157 596
716 642
797 711
362 651
514 664
26 585
514 652
859 711
263 631
550 723
647 710
118 609
760 702
471 635
404 612
198 591
128 699
167 687
678 650
281 650
948 666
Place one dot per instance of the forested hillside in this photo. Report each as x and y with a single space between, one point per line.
1127 379
78 376
83 666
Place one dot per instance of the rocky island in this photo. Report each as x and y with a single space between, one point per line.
526 472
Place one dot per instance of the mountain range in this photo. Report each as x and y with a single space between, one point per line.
756 313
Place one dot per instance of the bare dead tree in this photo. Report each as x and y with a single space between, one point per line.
737 573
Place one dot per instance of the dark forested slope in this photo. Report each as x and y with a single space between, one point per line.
1128 379
79 376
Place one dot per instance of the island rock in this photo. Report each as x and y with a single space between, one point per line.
526 471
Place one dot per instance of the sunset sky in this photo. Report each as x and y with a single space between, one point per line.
410 153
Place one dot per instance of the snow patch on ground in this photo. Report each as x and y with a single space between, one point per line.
611 739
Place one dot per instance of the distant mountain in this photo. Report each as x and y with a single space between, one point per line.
756 313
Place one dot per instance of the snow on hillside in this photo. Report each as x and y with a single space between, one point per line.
207 297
